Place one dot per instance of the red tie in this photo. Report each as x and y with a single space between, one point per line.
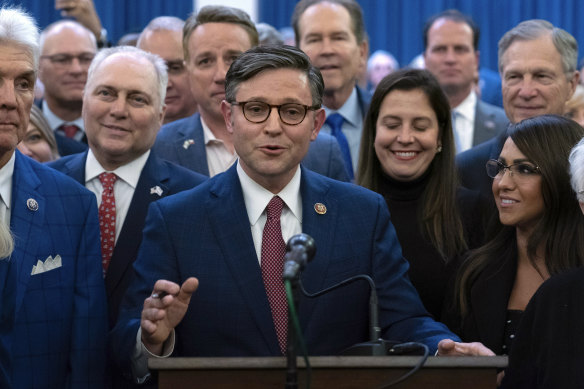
107 218
69 129
273 251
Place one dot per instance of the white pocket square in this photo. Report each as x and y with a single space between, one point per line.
49 264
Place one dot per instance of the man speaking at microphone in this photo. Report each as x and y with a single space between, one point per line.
230 234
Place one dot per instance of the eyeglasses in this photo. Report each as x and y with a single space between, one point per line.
521 170
64 60
290 113
175 67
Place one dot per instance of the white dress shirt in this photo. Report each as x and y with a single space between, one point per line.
6 173
465 118
56 122
256 200
352 126
124 187
219 158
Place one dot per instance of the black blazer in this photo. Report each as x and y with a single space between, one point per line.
489 297
547 352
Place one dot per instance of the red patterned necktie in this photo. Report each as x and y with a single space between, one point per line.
273 251
107 218
69 129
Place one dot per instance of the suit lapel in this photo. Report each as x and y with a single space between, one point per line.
154 174
485 124
190 145
321 227
489 299
230 225
25 222
75 167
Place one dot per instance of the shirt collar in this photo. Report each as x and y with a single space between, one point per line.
350 111
56 122
256 197
467 108
129 172
6 173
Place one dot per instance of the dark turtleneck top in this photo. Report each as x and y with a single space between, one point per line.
429 272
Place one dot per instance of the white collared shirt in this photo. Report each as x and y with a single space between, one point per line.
256 200
352 126
219 158
56 122
465 119
124 187
6 173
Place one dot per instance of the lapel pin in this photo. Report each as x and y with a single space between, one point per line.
188 143
32 205
320 208
156 190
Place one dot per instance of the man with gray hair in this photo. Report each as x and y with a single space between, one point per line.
53 309
538 66
123 109
163 37
67 49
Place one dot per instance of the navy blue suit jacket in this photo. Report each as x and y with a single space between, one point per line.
229 314
156 172
490 121
471 164
183 143
60 325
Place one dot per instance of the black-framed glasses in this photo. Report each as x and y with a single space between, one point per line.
290 113
519 170
63 60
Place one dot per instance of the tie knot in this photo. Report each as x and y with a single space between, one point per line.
335 121
274 208
69 129
107 179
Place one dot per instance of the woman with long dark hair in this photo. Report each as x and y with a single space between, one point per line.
542 232
407 155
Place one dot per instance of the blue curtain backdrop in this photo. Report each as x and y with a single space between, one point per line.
117 16
396 25
393 25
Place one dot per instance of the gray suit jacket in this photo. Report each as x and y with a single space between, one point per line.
183 143
489 122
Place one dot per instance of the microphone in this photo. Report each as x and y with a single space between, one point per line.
300 250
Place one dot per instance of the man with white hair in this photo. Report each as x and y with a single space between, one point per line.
53 308
163 37
123 109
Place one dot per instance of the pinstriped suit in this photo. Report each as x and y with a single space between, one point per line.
60 324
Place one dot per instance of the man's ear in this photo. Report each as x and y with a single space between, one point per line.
226 111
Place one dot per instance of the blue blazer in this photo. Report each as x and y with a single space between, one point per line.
471 164
58 337
490 121
156 172
229 314
183 143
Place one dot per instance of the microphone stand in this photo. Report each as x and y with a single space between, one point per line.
291 344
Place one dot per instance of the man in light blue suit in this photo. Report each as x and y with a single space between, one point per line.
272 108
211 40
52 301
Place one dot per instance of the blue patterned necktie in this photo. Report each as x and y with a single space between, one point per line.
335 122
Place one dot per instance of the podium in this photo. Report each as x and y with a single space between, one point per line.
328 372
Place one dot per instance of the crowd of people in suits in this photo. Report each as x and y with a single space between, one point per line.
194 156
